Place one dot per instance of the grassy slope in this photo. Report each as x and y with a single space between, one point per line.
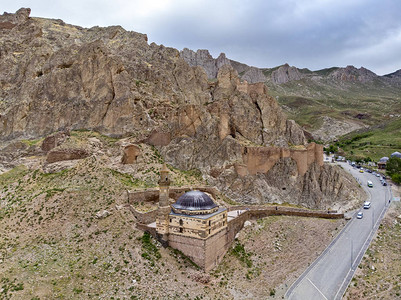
307 100
375 143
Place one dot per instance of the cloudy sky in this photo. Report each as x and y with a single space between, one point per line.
312 34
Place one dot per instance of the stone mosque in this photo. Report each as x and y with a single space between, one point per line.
194 224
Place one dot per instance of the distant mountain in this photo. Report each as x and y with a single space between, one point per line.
329 102
396 74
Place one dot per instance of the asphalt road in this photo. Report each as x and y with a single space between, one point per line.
328 277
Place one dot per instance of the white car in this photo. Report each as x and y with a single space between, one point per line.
359 215
366 205
377 175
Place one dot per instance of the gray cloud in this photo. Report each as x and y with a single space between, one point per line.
310 33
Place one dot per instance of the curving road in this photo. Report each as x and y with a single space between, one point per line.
329 275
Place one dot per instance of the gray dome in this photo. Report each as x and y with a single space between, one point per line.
396 154
383 159
194 200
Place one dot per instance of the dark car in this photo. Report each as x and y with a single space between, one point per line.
384 183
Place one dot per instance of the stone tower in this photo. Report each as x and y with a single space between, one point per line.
162 219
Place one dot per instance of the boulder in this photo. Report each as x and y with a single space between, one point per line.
102 214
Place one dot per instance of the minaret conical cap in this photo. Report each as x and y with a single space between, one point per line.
164 168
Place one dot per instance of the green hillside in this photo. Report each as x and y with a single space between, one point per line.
375 143
307 100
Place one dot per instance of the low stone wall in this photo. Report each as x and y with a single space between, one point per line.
146 217
257 212
145 228
235 225
150 195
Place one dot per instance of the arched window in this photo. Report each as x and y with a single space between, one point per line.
181 222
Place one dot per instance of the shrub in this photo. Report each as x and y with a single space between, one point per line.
393 169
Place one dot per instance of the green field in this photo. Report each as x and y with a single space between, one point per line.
374 143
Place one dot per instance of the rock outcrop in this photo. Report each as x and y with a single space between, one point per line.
9 21
212 65
203 59
284 74
350 73
253 75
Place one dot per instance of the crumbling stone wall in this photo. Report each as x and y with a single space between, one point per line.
130 154
262 159
145 217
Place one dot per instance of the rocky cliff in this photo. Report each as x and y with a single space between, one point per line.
56 76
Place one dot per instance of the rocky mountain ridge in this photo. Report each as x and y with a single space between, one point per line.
60 77
280 74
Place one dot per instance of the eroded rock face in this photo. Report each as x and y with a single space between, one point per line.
56 76
326 187
253 75
203 59
350 73
284 74
9 21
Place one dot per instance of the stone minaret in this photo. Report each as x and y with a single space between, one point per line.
162 219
